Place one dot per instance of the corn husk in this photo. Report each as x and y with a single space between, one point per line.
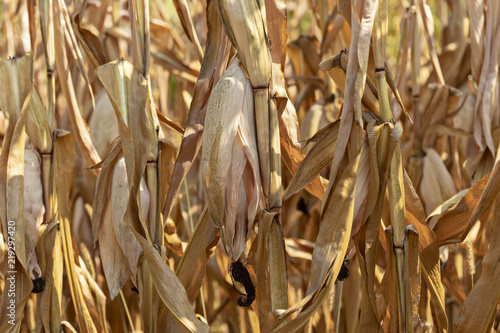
231 176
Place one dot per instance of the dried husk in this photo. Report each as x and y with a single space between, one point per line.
230 164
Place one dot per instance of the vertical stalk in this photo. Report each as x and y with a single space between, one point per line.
415 71
400 259
261 101
46 184
155 225
274 158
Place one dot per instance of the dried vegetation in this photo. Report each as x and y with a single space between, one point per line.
246 166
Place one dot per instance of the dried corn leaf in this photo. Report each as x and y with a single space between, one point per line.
291 152
437 185
337 69
451 227
191 269
478 311
263 292
428 252
87 38
169 288
276 19
212 68
187 23
51 297
64 158
37 125
335 230
315 161
81 132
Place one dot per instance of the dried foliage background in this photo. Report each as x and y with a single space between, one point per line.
165 162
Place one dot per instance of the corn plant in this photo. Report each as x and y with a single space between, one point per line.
249 166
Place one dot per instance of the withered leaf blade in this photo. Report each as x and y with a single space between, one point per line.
315 161
37 125
477 313
212 68
17 75
78 124
335 229
170 289
291 151
127 90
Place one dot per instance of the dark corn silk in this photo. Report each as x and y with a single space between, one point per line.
38 285
344 270
240 274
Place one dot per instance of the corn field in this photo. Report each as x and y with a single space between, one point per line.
249 166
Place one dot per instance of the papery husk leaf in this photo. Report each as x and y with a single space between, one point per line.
12 193
169 288
23 286
118 201
14 186
231 118
166 161
212 68
478 311
368 237
127 90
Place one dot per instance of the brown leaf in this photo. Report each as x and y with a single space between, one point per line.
478 311
212 68
170 288
187 23
81 132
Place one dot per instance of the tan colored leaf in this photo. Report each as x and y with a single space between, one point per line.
187 23
315 161
170 289
291 151
64 159
478 311
78 124
37 125
212 68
